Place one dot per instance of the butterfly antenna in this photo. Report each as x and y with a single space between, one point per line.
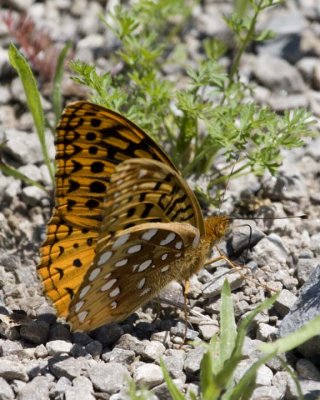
228 181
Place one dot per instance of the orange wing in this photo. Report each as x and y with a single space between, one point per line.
91 141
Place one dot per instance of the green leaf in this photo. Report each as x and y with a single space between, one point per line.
18 175
227 323
294 339
20 64
174 391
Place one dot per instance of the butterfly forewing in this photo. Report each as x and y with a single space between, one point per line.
66 256
91 141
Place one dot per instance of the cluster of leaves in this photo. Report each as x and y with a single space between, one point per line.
224 353
212 114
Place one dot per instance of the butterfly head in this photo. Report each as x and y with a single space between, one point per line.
216 227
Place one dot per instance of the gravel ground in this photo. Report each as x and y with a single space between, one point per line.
42 359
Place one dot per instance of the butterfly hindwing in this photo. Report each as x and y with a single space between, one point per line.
130 269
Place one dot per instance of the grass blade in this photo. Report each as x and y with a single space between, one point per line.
294 339
10 171
174 391
29 83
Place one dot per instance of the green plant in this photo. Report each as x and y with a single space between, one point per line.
224 353
209 115
30 87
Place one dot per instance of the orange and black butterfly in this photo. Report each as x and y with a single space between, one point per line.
125 222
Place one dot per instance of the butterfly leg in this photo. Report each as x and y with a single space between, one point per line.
186 311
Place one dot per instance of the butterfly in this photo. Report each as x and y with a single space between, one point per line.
125 222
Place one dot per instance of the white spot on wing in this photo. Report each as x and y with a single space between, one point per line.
114 292
145 291
82 316
121 263
149 234
108 285
178 245
94 274
120 241
84 291
104 257
107 276
165 268
144 265
113 305
168 239
164 256
177 255
78 306
134 249
141 283
142 173
196 240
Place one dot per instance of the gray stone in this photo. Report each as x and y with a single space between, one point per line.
266 393
31 171
207 330
266 332
56 347
32 195
264 376
108 334
153 350
305 267
162 391
59 389
280 380
67 367
270 251
9 347
94 348
10 370
163 336
240 238
310 389
285 302
110 378
277 74
118 355
23 147
6 393
35 332
193 360
148 375
304 310
284 103
41 351
60 332
129 342
81 338
81 389
174 362
213 290
307 370
37 389
180 331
